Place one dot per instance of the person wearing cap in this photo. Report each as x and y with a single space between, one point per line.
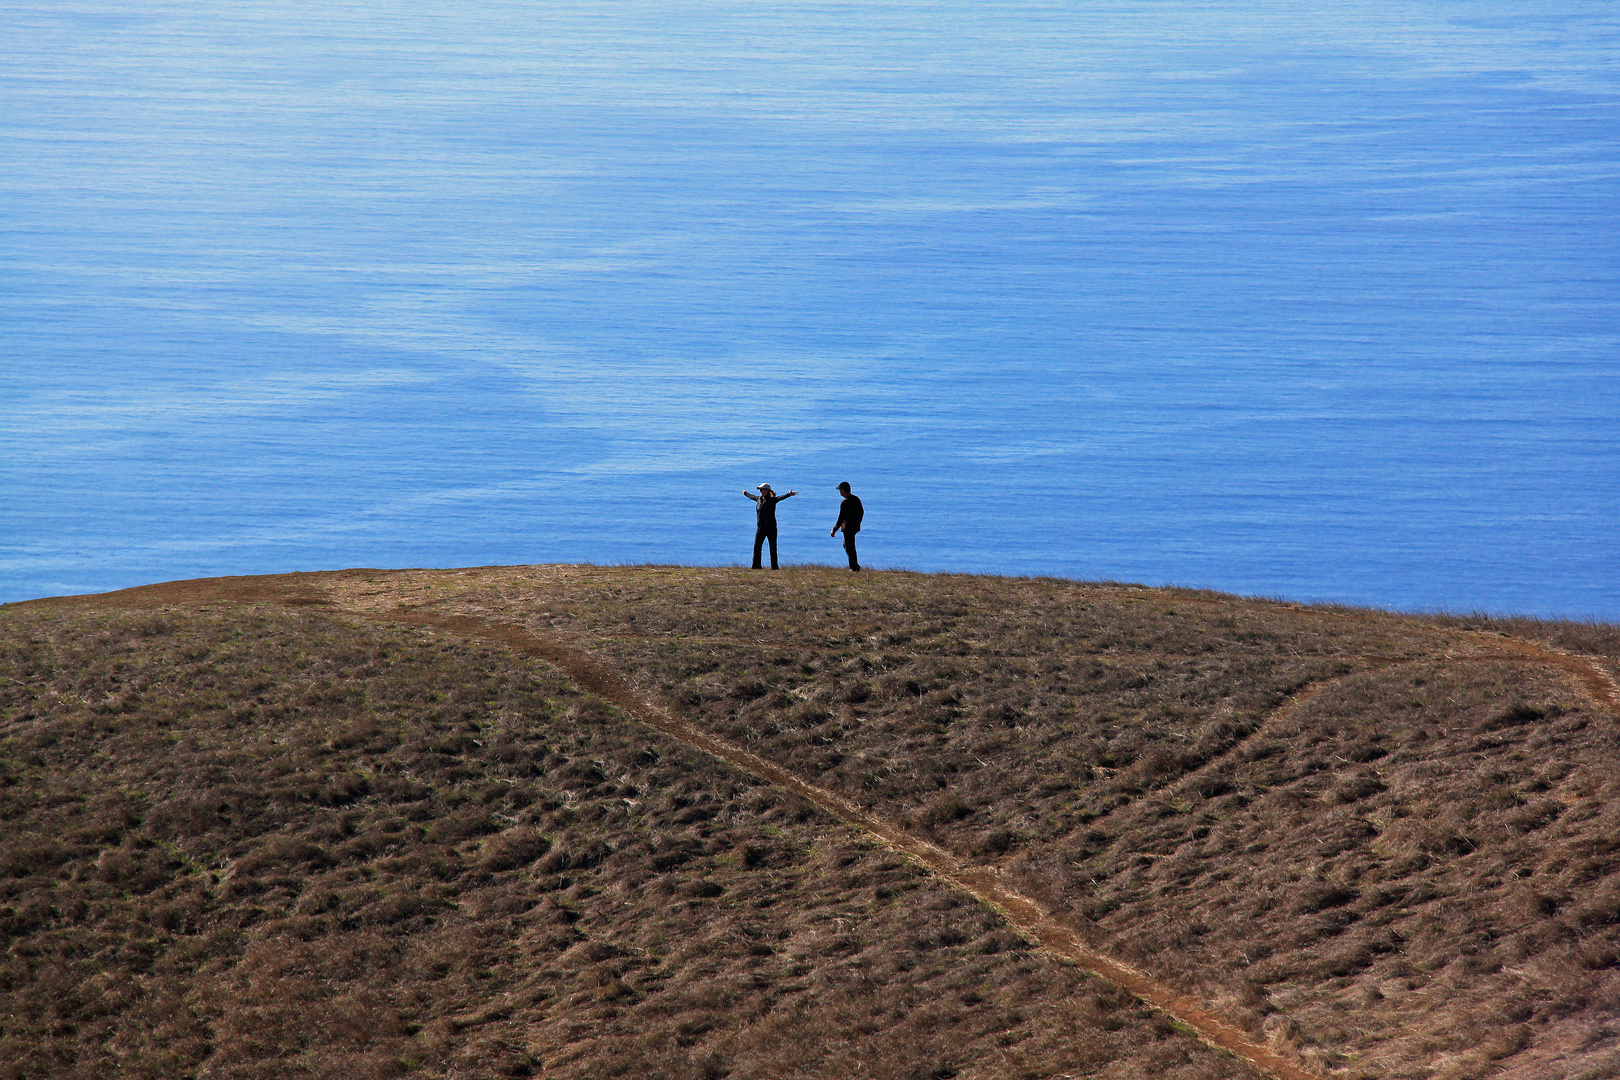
765 517
850 512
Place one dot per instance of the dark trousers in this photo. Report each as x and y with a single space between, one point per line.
849 546
760 536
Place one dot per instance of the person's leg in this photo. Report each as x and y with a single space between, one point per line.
772 536
849 546
759 541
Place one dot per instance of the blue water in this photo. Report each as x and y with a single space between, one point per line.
1322 304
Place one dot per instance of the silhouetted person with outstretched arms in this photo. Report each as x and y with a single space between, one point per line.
850 512
765 514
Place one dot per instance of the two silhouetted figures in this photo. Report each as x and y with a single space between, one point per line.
850 513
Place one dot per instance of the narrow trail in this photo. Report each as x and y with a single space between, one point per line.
1597 683
983 883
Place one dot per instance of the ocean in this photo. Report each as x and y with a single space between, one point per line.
1309 301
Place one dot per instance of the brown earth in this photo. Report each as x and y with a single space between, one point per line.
1331 841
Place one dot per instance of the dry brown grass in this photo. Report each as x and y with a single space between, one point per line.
1384 843
261 840
1389 846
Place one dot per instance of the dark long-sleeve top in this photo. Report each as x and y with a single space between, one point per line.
765 508
850 512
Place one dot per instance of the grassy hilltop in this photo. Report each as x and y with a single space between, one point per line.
664 822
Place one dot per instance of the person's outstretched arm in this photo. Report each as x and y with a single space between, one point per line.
789 495
751 495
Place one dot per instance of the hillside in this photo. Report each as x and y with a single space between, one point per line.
653 821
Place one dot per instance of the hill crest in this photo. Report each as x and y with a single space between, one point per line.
1305 820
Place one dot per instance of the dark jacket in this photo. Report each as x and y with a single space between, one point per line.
765 509
850 512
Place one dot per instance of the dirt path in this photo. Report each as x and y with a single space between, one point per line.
1596 682
1593 679
981 882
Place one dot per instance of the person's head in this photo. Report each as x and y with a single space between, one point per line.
843 487
767 489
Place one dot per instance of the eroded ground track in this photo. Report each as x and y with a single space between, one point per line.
983 882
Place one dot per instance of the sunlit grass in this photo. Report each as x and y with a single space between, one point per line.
272 838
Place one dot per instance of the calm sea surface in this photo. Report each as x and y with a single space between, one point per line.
1322 304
